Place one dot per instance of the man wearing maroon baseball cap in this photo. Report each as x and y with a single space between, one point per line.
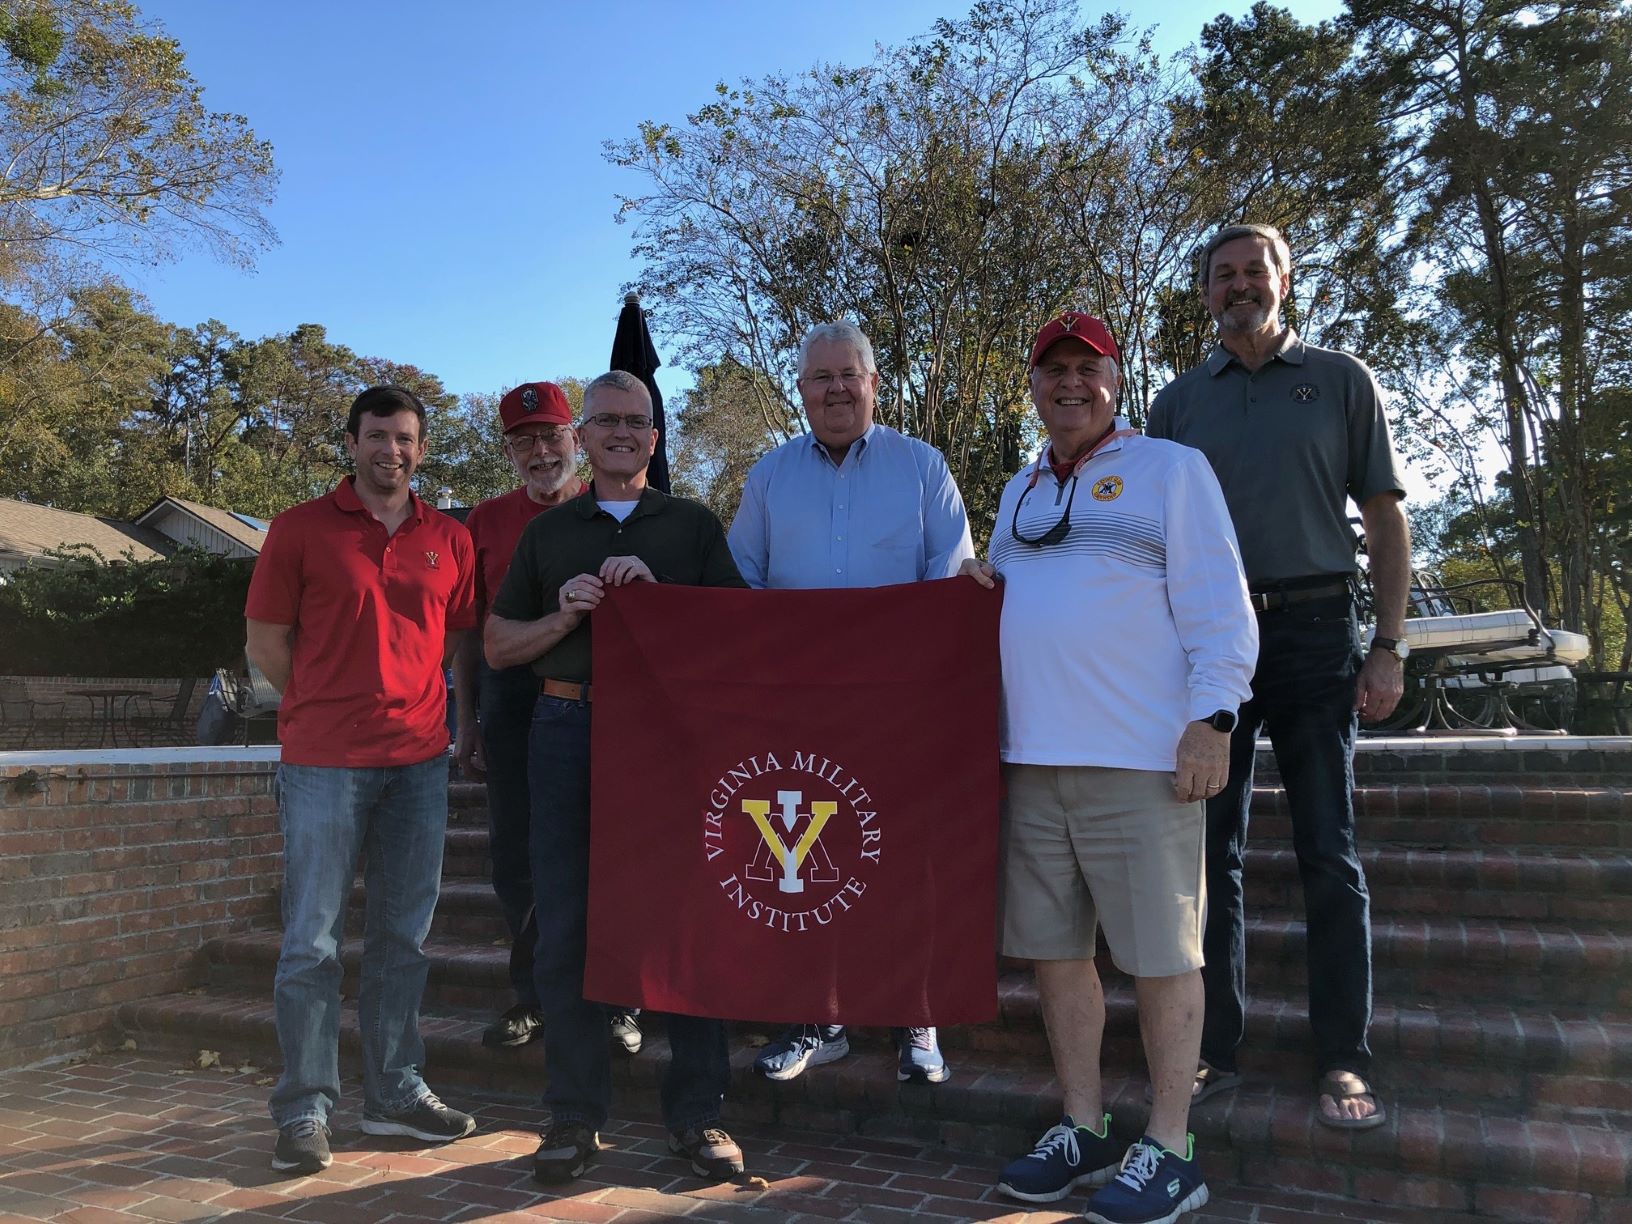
1127 645
495 706
1078 326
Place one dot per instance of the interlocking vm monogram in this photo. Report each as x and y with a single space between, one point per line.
802 859
791 858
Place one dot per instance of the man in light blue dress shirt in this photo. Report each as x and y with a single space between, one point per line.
850 504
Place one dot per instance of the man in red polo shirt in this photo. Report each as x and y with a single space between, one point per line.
356 604
496 704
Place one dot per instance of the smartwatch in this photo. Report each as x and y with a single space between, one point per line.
1398 647
1220 720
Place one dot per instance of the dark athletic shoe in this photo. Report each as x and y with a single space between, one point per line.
1156 1186
427 1119
563 1152
1067 1156
714 1155
516 1027
303 1147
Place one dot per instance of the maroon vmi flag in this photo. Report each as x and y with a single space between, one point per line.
794 803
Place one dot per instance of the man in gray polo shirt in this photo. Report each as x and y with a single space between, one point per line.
1293 432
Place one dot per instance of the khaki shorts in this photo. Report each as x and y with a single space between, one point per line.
1086 847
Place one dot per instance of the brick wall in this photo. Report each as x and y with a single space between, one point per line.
111 879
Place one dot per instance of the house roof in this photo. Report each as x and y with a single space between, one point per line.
28 531
241 528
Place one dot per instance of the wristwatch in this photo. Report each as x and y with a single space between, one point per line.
1398 647
1220 720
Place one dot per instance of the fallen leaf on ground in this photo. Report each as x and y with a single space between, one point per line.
208 1058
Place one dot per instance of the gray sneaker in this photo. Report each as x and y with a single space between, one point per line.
626 1031
427 1119
303 1147
803 1045
713 1153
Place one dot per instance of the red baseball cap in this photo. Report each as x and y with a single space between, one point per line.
1084 327
534 403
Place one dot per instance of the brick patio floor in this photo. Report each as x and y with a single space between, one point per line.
125 1137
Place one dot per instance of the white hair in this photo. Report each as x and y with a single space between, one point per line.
842 332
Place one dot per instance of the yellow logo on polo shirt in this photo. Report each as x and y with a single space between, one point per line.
1108 489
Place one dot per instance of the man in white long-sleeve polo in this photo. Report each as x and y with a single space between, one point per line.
1128 644
851 504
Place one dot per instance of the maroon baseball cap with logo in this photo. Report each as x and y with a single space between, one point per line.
1084 327
534 403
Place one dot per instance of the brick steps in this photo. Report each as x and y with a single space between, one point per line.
1583 890
1441 1160
1495 1054
1413 958
1502 947
1468 815
1472 816
1456 962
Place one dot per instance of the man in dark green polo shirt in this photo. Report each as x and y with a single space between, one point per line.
618 531
1293 433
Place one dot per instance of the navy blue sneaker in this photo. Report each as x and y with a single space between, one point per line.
920 1057
1155 1186
1067 1156
803 1045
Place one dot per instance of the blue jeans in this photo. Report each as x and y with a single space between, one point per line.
1303 695
577 1055
396 818
505 700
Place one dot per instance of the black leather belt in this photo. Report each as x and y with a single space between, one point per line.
566 689
1280 597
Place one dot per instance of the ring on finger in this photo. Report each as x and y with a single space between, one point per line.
572 596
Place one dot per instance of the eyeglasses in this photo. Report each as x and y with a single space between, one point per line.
824 379
1055 533
521 443
611 420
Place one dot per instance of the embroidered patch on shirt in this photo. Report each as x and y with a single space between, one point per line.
1108 488
1305 393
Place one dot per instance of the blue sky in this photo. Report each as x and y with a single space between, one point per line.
444 200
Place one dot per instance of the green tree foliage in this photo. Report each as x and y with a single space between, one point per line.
1288 126
728 419
107 148
1517 174
1455 180
949 197
119 409
82 615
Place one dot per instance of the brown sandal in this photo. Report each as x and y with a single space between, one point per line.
1344 1085
1209 1082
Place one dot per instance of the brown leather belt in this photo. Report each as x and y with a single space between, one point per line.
1268 601
565 689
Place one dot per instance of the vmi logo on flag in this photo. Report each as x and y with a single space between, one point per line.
810 834
800 859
